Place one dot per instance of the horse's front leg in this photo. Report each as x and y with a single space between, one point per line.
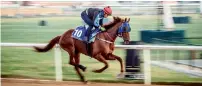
113 57
100 58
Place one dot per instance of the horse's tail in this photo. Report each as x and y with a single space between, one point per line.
49 46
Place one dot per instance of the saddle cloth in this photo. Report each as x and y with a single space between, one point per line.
80 33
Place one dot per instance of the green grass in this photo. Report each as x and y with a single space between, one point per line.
24 62
27 29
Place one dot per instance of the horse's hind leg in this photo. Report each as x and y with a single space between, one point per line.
77 60
77 66
80 74
73 54
100 58
74 61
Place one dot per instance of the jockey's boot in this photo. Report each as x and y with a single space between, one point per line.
88 46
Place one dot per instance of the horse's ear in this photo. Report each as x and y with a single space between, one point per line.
117 18
125 20
122 19
114 17
128 19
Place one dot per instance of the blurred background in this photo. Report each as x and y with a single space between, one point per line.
40 21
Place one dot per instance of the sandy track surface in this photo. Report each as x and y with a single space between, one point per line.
35 82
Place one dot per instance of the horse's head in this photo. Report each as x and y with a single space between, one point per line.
119 27
124 29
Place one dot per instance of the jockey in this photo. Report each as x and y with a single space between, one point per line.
93 17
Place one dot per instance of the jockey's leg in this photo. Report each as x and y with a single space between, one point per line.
88 22
100 58
88 33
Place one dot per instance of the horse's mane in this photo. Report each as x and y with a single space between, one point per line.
111 24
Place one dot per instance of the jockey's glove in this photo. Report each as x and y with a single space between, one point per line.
102 29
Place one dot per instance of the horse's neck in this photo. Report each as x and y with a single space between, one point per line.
113 31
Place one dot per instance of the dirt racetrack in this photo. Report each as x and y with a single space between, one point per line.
33 82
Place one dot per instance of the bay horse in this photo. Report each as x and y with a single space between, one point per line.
102 48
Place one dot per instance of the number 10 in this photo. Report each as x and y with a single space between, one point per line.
78 33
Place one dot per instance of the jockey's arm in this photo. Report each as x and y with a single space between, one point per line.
97 20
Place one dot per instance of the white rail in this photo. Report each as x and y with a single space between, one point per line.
146 55
156 47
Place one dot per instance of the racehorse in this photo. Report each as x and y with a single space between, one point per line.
102 47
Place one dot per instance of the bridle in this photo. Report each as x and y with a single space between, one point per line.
119 33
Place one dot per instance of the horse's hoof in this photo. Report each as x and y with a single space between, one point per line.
120 76
83 68
85 82
96 71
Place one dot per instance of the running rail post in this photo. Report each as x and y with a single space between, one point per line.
58 63
147 66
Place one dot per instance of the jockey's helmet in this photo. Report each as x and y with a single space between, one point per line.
108 10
